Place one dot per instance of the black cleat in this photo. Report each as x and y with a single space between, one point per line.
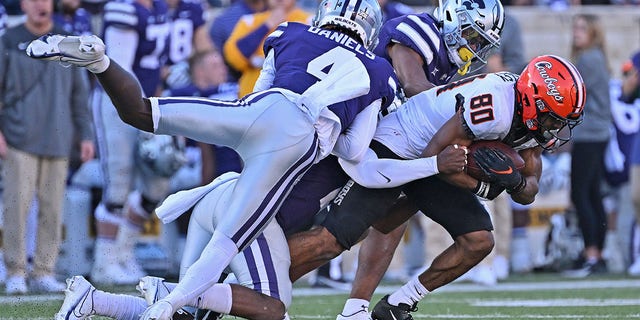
385 311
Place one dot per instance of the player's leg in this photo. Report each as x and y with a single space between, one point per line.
375 255
469 224
353 211
261 269
266 180
82 301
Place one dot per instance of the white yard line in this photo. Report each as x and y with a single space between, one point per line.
513 286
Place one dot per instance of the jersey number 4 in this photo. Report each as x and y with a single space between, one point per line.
321 66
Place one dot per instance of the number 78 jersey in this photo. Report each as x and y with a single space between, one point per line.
304 55
489 106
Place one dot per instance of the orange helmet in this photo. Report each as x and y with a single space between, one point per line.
552 94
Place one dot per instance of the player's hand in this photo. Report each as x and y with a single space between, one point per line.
452 159
500 169
161 310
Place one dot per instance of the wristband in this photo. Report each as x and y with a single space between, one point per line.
482 189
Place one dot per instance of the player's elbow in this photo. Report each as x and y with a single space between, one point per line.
136 119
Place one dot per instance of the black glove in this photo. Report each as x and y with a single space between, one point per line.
488 190
500 169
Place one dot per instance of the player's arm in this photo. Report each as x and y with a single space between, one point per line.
408 67
354 141
531 173
452 132
373 172
267 73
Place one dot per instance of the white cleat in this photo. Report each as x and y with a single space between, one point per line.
152 289
78 300
81 51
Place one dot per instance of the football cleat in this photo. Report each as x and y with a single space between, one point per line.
78 300
81 51
154 289
386 311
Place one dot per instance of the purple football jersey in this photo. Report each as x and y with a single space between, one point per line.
78 24
185 19
152 28
419 32
305 54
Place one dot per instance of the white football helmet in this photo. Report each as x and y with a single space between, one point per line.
364 17
471 30
160 155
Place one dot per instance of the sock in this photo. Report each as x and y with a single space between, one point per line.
205 272
412 292
217 298
118 306
353 306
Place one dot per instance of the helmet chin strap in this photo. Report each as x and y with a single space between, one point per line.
465 55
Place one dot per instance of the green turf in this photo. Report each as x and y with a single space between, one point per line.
525 298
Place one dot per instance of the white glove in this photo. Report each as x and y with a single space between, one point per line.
161 310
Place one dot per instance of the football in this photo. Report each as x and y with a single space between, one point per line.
476 172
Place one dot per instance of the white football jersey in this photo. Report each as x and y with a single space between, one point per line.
489 106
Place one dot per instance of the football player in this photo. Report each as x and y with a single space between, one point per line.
279 132
426 51
526 112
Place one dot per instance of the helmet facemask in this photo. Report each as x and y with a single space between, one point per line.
550 130
471 31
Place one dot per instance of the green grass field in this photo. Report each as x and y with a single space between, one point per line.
536 296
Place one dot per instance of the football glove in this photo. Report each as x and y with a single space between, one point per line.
161 310
500 169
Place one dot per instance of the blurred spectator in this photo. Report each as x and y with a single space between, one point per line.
243 50
589 142
42 105
630 94
188 35
618 203
71 18
3 19
223 25
130 42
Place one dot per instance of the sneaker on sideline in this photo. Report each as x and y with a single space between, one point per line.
326 282
78 300
587 269
46 284
15 285
634 269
